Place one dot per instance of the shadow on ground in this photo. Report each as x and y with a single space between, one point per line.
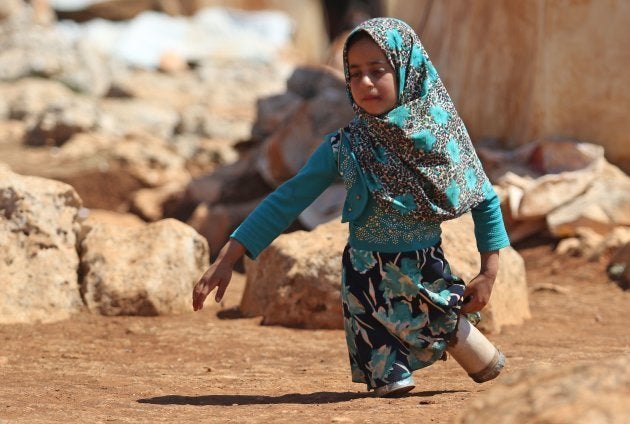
297 398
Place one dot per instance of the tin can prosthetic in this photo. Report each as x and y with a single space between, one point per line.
475 353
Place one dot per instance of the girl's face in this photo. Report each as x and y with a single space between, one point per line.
372 79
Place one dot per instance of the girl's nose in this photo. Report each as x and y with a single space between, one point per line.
366 80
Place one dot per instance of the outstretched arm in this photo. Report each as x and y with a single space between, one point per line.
218 275
491 236
272 216
477 293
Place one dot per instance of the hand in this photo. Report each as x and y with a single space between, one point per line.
478 291
218 275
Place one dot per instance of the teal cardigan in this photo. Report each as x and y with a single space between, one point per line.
370 227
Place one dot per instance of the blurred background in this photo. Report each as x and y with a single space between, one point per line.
197 109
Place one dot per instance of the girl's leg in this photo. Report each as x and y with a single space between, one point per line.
400 311
377 357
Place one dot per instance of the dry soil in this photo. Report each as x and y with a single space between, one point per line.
213 366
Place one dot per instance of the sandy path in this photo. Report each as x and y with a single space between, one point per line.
208 367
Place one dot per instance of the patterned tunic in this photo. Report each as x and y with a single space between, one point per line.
399 311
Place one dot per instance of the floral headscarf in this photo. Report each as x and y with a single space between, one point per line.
417 158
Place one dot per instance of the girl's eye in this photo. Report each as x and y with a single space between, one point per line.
372 73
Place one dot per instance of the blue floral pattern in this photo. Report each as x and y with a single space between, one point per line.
398 116
362 260
399 311
453 150
423 140
417 59
439 115
452 193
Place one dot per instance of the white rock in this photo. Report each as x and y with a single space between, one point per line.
141 270
39 228
296 281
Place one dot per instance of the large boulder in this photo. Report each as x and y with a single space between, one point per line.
296 281
596 393
604 205
560 187
144 269
324 108
39 228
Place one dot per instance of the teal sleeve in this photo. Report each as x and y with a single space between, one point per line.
278 210
490 230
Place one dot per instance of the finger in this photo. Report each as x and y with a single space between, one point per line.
471 305
200 292
195 295
202 287
469 292
475 305
198 299
198 303
220 291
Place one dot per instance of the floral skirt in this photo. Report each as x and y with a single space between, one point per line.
399 311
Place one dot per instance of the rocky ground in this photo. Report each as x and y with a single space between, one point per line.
213 366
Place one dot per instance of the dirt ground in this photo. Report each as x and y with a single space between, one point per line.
216 367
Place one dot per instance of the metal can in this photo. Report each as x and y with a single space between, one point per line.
475 353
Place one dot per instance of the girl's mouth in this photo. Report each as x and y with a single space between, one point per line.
371 98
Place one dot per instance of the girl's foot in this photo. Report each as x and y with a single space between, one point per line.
395 389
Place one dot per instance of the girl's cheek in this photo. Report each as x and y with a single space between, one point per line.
353 91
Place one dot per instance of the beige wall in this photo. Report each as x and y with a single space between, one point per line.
525 70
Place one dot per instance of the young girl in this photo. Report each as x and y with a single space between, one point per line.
408 164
